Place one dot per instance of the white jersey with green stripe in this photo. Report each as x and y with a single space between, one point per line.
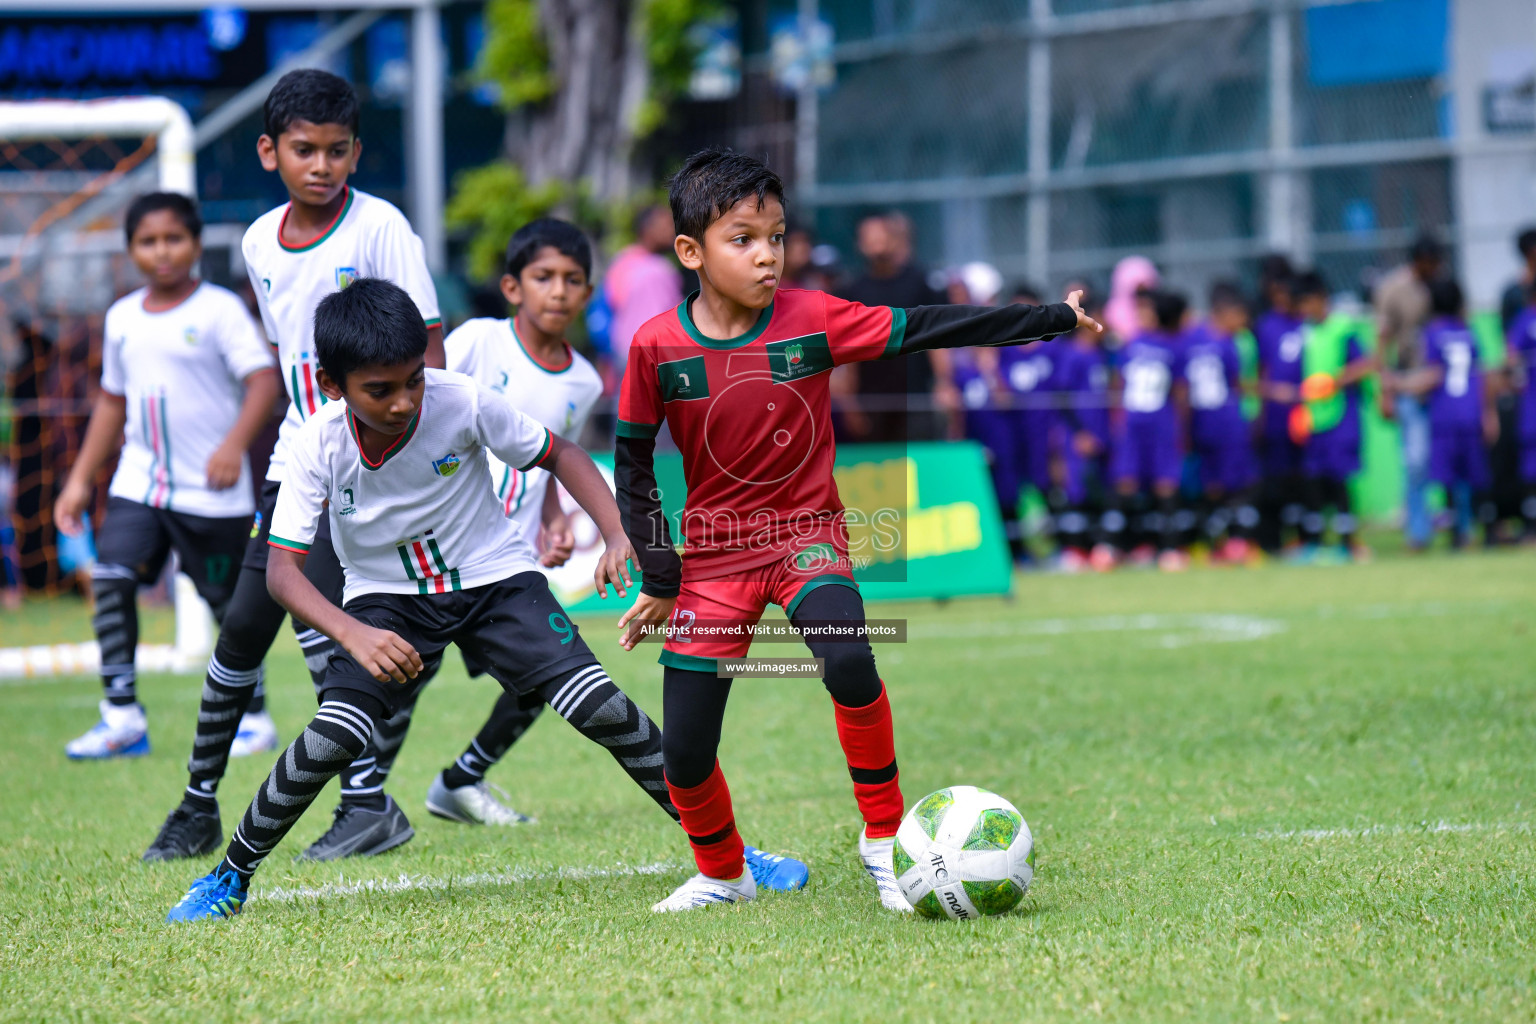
368 238
181 374
559 396
423 518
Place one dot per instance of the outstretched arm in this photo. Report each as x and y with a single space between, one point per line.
936 327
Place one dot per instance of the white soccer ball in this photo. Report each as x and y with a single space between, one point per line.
964 853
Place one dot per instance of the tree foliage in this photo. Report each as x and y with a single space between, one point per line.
493 200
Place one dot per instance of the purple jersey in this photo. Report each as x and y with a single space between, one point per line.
1458 401
1149 364
1213 371
1027 372
1082 375
1278 338
1522 339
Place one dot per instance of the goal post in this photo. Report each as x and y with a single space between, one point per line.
157 117
66 180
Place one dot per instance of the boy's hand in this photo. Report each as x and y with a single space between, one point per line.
557 541
613 567
69 508
383 654
645 617
1075 300
223 469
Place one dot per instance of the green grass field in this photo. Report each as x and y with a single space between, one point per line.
1282 794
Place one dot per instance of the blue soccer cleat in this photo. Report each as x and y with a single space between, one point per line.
212 896
122 732
771 871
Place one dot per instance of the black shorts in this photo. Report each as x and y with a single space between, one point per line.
516 629
256 550
141 538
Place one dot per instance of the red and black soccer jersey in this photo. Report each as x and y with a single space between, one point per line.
752 415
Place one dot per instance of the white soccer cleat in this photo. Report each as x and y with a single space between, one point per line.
257 734
122 732
474 805
876 855
702 891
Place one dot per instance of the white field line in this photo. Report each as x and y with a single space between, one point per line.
1170 630
1368 831
406 883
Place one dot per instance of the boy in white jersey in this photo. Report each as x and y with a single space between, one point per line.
326 236
430 560
525 359
186 385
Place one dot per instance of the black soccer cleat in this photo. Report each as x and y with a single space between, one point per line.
360 832
186 833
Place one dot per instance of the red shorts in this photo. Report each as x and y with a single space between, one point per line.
713 618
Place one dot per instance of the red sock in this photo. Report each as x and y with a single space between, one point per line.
706 815
870 748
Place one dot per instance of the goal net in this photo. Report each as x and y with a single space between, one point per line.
68 171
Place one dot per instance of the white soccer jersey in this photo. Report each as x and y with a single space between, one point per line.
181 373
423 519
560 397
368 238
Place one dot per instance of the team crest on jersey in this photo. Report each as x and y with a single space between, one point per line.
346 507
815 555
189 335
266 283
345 276
794 353
447 465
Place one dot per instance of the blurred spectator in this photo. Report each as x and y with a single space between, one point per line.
641 282
798 248
1513 302
1278 340
1402 310
1131 277
890 278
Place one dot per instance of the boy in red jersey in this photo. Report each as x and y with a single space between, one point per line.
739 373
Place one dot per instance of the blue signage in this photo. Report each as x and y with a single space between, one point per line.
55 54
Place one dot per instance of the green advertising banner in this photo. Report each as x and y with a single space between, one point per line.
923 523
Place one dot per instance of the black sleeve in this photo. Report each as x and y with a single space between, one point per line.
634 476
929 327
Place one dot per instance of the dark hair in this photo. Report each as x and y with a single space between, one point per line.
547 232
1275 267
1227 294
711 182
371 322
312 95
1525 242
1445 298
1310 283
1169 308
182 206
1426 247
